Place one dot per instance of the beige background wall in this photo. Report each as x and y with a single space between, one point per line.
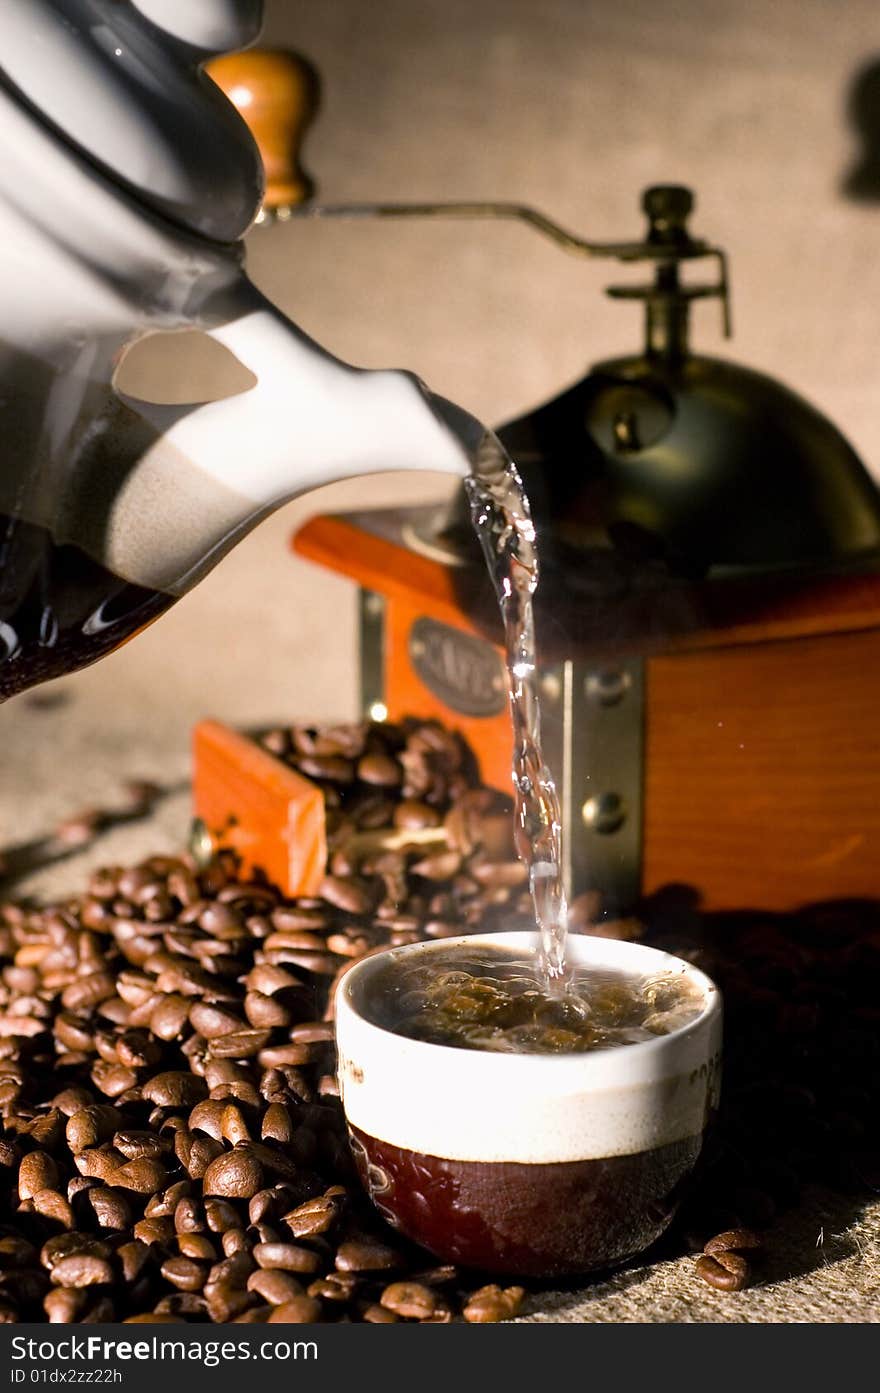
573 105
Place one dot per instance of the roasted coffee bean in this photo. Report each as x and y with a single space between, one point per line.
174 1089
181 1306
442 865
221 919
350 894
189 1215
255 1315
37 1171
436 1276
112 1210
727 1272
275 1056
380 769
100 1162
298 1310
353 943
311 1033
82 1270
235 1241
65 1245
165 1202
266 1012
411 815
113 1079
88 992
293 940
133 1258
338 1287
184 1273
220 1216
236 1174
234 1270
52 1205
334 768
276 1124
208 1117
72 1100
240 1044
197 1246
263 1205
410 1300
347 739
219 1071
144 1176
137 1049
313 1217
64 1305
242 1090
170 1017
268 978
289 1257
184 977
493 1303
202 1152
296 919
366 1255
73 1032
9 1154
734 1241
91 1126
442 928
158 1231
135 1144
274 1286
233 1126
323 964
375 1314
151 1318
16 1252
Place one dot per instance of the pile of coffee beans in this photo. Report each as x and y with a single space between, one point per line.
171 1143
172 1147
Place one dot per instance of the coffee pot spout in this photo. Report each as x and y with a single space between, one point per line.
308 420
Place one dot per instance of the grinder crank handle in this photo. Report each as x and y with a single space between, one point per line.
276 94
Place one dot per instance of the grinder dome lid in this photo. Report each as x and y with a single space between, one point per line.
121 81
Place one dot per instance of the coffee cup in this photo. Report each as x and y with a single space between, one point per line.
541 1165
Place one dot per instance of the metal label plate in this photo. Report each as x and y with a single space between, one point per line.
465 672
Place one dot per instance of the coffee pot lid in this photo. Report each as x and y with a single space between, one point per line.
120 81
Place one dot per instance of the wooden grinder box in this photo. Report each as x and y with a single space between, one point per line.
734 749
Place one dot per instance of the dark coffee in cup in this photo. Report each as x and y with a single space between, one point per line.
492 998
535 1163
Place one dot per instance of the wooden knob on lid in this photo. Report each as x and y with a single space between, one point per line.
275 92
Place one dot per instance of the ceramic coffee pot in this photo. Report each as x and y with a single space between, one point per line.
127 181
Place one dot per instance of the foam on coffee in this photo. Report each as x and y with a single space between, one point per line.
491 999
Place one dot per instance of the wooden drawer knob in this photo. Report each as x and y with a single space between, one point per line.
275 92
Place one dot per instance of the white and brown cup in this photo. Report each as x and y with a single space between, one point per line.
531 1164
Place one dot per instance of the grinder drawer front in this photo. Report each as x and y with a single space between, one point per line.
762 771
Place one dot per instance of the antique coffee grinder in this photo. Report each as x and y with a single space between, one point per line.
710 603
